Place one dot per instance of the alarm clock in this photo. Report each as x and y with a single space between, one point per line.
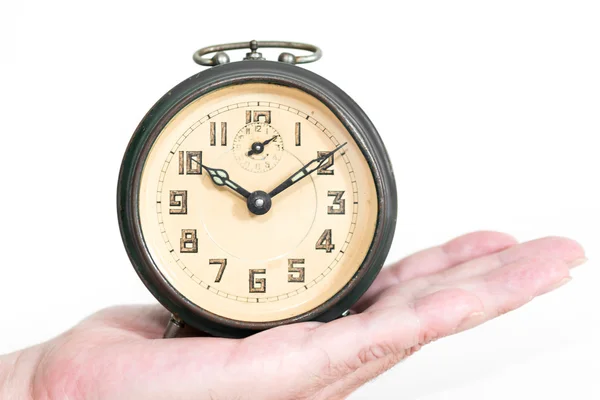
255 194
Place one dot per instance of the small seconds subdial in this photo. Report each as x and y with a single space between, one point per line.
258 147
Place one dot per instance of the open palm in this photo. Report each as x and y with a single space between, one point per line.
118 354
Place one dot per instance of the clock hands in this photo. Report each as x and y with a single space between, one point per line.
258 201
258 147
303 172
220 177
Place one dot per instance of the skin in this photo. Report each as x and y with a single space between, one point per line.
117 353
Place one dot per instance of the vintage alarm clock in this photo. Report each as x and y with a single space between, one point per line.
255 194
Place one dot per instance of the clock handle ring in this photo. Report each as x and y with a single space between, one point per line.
221 57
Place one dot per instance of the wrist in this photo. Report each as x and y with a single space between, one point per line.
17 373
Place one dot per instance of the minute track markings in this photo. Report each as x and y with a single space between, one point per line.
354 185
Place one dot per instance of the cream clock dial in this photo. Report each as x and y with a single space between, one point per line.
218 253
256 194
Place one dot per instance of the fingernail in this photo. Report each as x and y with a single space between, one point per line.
577 262
558 284
471 321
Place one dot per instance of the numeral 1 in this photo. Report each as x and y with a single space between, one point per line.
324 242
188 242
257 285
295 274
192 164
213 133
298 134
219 261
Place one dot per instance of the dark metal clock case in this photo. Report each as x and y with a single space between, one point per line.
348 112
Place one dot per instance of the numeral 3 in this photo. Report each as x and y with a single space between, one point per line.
337 201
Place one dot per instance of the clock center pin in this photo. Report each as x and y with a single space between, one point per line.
259 202
258 147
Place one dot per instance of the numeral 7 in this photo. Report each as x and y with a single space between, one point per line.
219 261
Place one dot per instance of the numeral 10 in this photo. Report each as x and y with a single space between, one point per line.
190 162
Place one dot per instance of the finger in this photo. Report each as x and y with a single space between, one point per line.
397 326
552 247
435 259
567 251
500 291
148 321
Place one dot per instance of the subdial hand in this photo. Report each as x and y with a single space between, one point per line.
303 172
258 147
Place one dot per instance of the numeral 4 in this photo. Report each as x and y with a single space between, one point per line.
324 242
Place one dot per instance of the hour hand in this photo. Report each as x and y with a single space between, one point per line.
220 177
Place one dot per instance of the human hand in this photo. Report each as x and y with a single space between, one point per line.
118 354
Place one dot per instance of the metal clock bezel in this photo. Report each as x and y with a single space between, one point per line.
346 110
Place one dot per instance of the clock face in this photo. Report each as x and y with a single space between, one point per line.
203 236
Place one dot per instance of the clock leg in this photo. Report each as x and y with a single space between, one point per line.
173 327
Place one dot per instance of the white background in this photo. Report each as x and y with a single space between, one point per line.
490 112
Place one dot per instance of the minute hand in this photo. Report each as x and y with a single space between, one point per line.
303 172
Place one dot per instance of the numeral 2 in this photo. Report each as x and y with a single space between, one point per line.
324 169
